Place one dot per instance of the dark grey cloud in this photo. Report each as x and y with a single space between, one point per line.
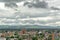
11 0
55 8
38 4
11 5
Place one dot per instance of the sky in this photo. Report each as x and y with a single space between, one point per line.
22 15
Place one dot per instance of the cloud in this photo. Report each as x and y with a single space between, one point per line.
29 16
11 5
32 21
11 0
13 18
36 4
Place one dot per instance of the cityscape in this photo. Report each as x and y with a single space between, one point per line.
29 19
30 35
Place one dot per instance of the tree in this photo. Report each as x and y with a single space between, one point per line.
50 37
16 36
12 37
41 36
20 39
34 38
7 38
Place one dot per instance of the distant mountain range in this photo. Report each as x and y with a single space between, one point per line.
19 27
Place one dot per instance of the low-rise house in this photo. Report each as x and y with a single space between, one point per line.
1 38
